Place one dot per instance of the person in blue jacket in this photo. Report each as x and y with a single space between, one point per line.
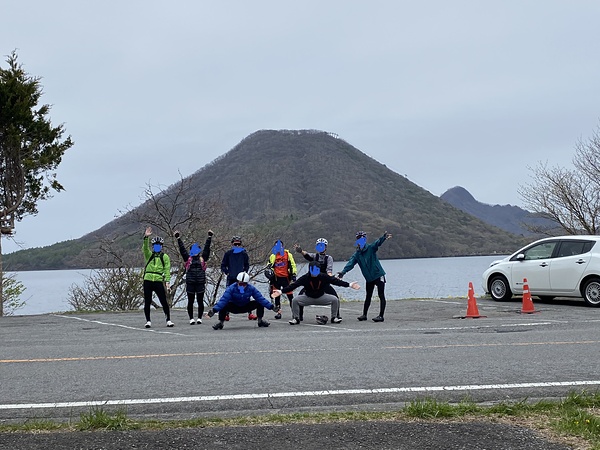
366 258
241 297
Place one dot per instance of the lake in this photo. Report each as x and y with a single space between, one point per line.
46 291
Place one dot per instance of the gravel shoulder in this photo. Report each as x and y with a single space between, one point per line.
339 435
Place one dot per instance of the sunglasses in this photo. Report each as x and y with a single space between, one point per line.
237 244
242 284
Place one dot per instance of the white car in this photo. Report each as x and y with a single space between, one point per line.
562 266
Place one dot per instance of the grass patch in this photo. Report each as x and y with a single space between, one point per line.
33 426
430 409
99 419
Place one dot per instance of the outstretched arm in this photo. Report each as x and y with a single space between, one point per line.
261 299
146 244
206 250
382 239
349 266
182 250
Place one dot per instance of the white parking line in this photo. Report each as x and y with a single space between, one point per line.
210 398
442 301
147 330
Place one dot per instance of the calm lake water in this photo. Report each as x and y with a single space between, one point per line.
46 291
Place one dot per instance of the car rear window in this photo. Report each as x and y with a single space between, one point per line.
570 248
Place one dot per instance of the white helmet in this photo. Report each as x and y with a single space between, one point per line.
243 277
322 241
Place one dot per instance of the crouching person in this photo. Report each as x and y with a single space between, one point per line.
315 284
237 298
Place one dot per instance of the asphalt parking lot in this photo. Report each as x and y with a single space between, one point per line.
59 365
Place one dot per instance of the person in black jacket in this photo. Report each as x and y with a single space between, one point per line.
195 274
236 260
315 285
325 263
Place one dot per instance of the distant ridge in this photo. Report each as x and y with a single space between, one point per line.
506 217
305 184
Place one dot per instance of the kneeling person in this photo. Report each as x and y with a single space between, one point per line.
315 284
237 299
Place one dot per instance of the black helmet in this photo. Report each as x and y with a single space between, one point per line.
360 234
236 239
269 274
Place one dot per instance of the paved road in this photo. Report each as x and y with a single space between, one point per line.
60 365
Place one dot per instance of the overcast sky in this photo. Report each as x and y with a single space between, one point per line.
447 93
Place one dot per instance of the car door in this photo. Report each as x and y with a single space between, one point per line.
535 266
567 268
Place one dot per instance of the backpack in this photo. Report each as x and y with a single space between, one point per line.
162 261
188 263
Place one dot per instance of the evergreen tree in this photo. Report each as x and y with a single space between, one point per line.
31 148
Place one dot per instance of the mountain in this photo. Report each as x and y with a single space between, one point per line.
506 217
304 184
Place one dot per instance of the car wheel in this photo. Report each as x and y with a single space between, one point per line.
591 292
546 298
499 289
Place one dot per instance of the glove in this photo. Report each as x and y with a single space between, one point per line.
177 235
340 275
298 248
274 308
293 278
210 233
210 312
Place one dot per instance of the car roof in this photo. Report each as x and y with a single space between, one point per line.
568 237
572 237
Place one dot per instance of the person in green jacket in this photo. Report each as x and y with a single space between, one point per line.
366 258
157 275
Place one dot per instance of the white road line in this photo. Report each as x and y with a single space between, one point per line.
147 330
210 398
474 327
442 301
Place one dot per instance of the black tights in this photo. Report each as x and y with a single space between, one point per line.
159 288
281 282
190 306
247 308
370 287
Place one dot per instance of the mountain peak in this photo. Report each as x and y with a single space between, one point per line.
507 217
457 194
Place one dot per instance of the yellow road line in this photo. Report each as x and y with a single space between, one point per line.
199 354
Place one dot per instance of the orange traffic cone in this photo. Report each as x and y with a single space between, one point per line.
527 307
472 310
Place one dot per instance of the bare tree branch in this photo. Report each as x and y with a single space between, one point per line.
568 197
